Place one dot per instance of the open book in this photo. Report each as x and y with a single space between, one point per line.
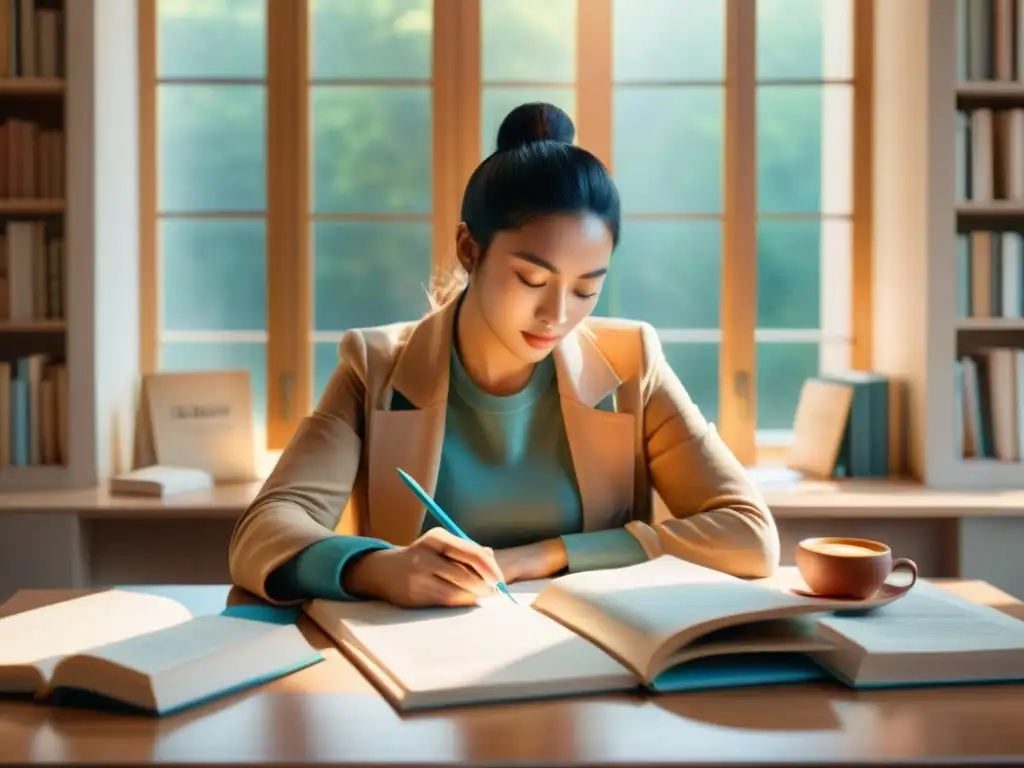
145 651
665 624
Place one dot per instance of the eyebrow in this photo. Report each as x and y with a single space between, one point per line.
537 261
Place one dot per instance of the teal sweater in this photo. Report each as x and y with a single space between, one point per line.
506 478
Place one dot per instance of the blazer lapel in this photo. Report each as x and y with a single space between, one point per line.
406 429
602 443
407 422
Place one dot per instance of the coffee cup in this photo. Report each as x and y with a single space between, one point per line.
850 568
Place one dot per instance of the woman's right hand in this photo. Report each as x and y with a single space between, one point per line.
438 568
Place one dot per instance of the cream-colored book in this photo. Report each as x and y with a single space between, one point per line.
160 481
145 651
930 636
664 624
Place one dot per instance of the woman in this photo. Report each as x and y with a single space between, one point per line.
540 430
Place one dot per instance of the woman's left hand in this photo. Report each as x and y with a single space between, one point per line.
532 561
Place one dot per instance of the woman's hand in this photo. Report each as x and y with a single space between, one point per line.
438 568
532 561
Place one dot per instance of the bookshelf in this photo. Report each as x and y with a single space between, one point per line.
33 317
81 186
948 250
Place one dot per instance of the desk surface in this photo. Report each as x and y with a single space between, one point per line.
328 714
787 495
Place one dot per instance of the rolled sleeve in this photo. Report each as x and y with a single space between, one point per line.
596 550
316 571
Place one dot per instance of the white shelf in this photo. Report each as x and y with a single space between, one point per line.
996 90
980 474
916 219
990 324
1007 208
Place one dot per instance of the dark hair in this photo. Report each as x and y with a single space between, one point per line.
535 171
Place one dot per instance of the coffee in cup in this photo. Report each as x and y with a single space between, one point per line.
849 568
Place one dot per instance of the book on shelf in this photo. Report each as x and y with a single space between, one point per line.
160 481
31 39
128 649
989 392
989 147
32 272
666 625
33 412
842 426
990 274
990 40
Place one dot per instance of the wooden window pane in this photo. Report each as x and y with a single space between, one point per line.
782 368
370 273
212 153
696 365
372 149
358 39
214 274
804 149
668 40
667 273
211 38
794 40
528 40
667 144
789 259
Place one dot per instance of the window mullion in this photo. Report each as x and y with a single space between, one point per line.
863 180
289 257
149 273
594 77
737 354
455 107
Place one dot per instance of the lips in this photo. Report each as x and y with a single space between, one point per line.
539 342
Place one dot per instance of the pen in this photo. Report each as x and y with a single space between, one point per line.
446 522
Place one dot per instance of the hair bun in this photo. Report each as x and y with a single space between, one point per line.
532 122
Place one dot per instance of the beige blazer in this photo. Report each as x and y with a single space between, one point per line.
337 475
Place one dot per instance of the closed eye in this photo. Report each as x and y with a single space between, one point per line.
527 283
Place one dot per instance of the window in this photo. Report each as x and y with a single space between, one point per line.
211 201
311 157
804 69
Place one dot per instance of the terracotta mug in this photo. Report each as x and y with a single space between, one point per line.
850 568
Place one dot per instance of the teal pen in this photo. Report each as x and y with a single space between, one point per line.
446 522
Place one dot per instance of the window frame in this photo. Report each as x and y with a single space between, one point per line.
456 114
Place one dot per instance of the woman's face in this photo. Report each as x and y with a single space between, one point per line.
537 283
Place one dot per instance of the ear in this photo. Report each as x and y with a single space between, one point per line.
466 249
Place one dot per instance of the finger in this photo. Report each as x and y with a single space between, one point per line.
480 559
458 574
437 591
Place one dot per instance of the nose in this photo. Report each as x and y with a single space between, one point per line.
552 310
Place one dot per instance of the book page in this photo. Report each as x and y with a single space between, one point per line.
495 650
43 635
661 597
156 653
644 613
927 619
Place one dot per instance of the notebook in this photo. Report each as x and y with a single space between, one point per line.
146 652
666 625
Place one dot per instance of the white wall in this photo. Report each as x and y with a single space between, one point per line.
103 234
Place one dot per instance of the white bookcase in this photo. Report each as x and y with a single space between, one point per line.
918 330
98 336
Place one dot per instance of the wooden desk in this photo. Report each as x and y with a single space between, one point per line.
328 714
85 538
